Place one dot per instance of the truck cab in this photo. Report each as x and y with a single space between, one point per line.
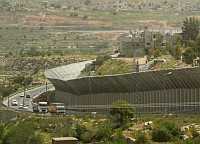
57 108
43 107
60 109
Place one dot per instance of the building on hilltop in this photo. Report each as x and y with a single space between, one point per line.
143 40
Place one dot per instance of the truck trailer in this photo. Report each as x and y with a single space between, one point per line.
57 108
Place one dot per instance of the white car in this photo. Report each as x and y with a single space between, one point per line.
20 106
25 107
14 102
21 95
26 103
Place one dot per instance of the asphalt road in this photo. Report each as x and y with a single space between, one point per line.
33 92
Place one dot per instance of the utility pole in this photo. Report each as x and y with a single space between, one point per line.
24 89
46 93
137 90
90 85
165 98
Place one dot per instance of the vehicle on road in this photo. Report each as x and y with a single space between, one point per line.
25 107
60 109
26 103
57 108
43 107
14 102
20 106
35 108
28 95
21 95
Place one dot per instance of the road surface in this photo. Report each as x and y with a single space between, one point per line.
34 93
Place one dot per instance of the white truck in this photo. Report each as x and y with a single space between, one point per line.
57 108
42 107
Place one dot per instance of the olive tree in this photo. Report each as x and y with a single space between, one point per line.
122 111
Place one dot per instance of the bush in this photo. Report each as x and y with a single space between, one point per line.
141 138
119 138
104 131
87 137
22 133
161 134
80 130
165 131
85 17
194 132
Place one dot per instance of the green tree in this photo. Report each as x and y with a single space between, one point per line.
7 90
189 55
16 87
100 59
169 47
177 50
122 108
191 43
190 29
197 44
18 79
28 80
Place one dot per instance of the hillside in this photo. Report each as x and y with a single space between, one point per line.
95 128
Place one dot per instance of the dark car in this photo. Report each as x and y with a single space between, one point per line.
28 95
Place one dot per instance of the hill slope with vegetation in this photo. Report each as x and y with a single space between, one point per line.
121 125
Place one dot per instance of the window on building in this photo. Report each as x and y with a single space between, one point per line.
137 44
133 44
148 43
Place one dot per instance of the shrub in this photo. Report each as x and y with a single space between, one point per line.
141 138
22 133
165 131
119 138
161 134
194 132
87 137
104 131
80 130
85 17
